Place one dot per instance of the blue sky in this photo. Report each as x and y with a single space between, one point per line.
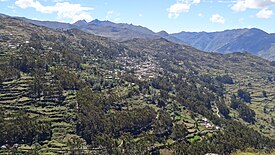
169 15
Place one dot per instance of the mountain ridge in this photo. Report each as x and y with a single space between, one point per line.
116 31
252 40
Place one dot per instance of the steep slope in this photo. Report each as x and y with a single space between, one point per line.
71 92
254 41
38 78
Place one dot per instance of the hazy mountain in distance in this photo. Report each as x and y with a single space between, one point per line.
120 31
115 31
167 36
124 31
253 40
80 23
49 24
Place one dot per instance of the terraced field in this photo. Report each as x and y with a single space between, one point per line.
262 104
198 126
15 95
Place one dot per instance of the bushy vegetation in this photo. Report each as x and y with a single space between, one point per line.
226 79
19 128
244 95
245 112
73 92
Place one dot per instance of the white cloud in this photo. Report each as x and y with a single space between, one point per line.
64 10
189 1
196 1
181 6
175 9
56 1
242 5
113 16
264 13
216 18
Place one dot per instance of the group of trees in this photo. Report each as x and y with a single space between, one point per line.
19 128
226 79
235 136
244 95
245 112
97 121
99 126
68 79
8 73
223 109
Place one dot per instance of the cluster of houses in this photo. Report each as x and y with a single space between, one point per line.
205 122
141 69
145 70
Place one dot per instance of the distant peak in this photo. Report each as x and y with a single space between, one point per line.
96 21
80 22
162 33
257 30
102 23
254 31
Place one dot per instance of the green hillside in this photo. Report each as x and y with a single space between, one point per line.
69 92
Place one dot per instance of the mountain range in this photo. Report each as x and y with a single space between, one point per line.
254 41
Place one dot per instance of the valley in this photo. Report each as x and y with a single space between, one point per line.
72 92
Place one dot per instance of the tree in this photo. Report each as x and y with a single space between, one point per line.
224 110
21 128
76 145
244 95
37 85
245 112
234 102
179 131
163 124
226 79
264 93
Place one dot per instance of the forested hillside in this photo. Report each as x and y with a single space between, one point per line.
70 92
